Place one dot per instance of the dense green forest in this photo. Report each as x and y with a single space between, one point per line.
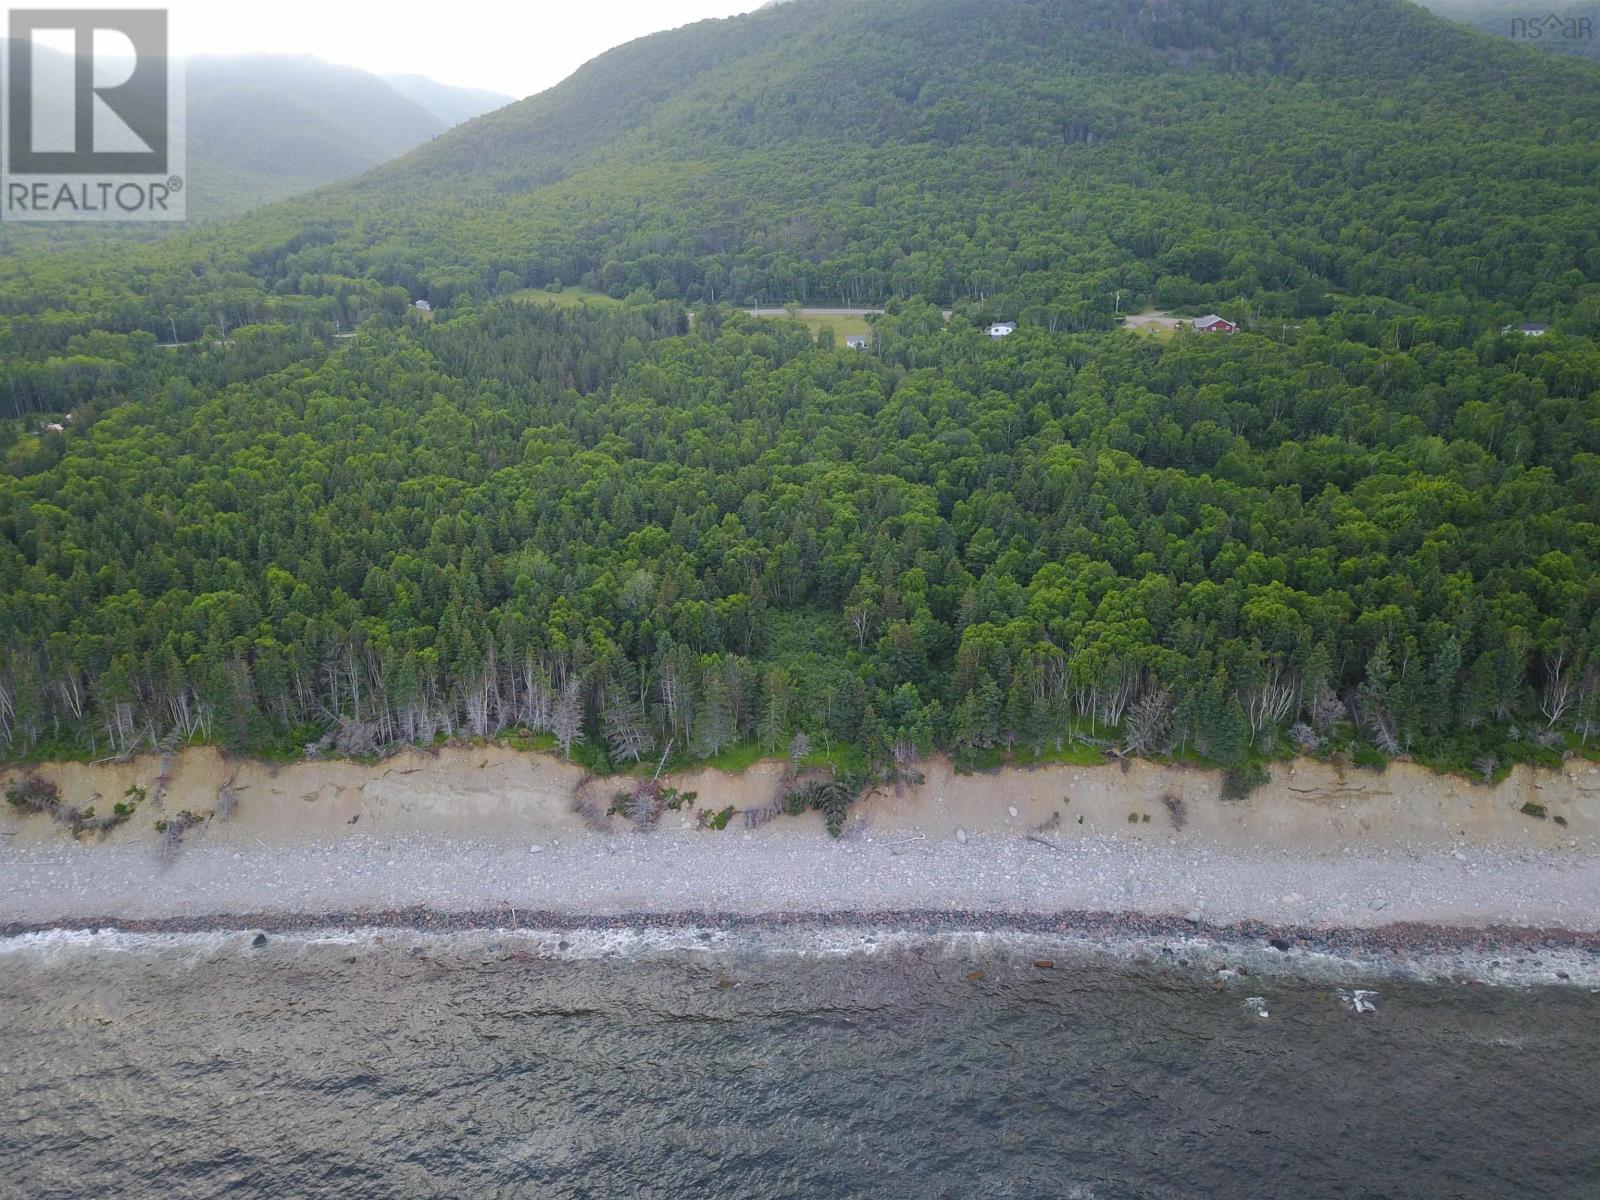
1365 525
608 525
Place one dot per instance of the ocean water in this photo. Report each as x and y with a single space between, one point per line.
862 1063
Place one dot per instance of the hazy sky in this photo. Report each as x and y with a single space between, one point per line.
516 48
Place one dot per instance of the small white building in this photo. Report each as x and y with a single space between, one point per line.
422 306
1527 330
856 342
1002 329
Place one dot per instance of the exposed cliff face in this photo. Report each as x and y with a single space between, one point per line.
493 793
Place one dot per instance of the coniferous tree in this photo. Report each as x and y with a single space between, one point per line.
713 722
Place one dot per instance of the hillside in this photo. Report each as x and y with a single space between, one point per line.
1365 527
262 128
845 153
265 127
1025 155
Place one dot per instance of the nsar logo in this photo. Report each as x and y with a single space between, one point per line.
1555 26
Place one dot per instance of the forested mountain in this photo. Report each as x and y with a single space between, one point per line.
1037 157
1365 524
264 127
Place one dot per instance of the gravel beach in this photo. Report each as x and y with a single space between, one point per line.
798 871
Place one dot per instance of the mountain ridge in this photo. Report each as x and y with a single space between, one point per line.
1205 106
1191 152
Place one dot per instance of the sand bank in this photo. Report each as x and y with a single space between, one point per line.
471 828
490 793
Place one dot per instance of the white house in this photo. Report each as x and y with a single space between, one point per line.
1002 329
1527 330
856 342
422 306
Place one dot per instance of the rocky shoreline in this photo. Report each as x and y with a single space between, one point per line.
1490 956
1405 938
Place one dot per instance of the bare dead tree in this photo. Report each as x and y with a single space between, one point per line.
1177 811
355 738
755 818
1149 723
478 700
627 733
1327 710
858 620
1112 697
643 804
1381 727
1558 687
1587 719
1270 701
568 718
227 799
536 700
171 832
8 711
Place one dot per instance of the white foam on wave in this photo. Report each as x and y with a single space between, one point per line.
71 946
1231 962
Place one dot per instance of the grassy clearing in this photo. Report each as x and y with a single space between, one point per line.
542 743
570 297
842 326
736 758
993 759
844 759
1073 753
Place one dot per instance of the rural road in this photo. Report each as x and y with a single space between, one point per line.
826 312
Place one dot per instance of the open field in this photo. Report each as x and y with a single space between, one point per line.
566 298
846 322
